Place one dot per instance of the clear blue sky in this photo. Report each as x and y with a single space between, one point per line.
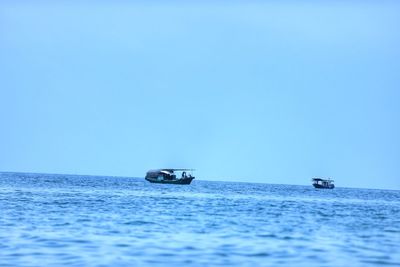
274 92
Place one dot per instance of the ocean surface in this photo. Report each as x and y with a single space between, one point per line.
71 220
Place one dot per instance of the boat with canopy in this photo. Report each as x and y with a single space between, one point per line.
170 176
323 183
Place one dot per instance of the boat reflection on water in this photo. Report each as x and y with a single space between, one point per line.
169 176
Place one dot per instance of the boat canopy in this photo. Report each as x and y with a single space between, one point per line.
170 170
321 180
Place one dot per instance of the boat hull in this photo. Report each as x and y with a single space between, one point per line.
323 186
186 180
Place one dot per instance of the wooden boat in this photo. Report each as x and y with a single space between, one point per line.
323 183
168 176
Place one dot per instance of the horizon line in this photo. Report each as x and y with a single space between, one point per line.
123 176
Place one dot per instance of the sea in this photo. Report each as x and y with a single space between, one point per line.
77 220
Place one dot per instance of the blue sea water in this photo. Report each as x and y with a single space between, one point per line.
71 220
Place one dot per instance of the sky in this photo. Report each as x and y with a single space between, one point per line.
251 91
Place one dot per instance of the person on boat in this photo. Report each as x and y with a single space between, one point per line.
183 174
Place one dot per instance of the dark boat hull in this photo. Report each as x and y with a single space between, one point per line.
186 180
324 187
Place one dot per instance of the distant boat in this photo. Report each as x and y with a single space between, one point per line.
168 176
323 183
